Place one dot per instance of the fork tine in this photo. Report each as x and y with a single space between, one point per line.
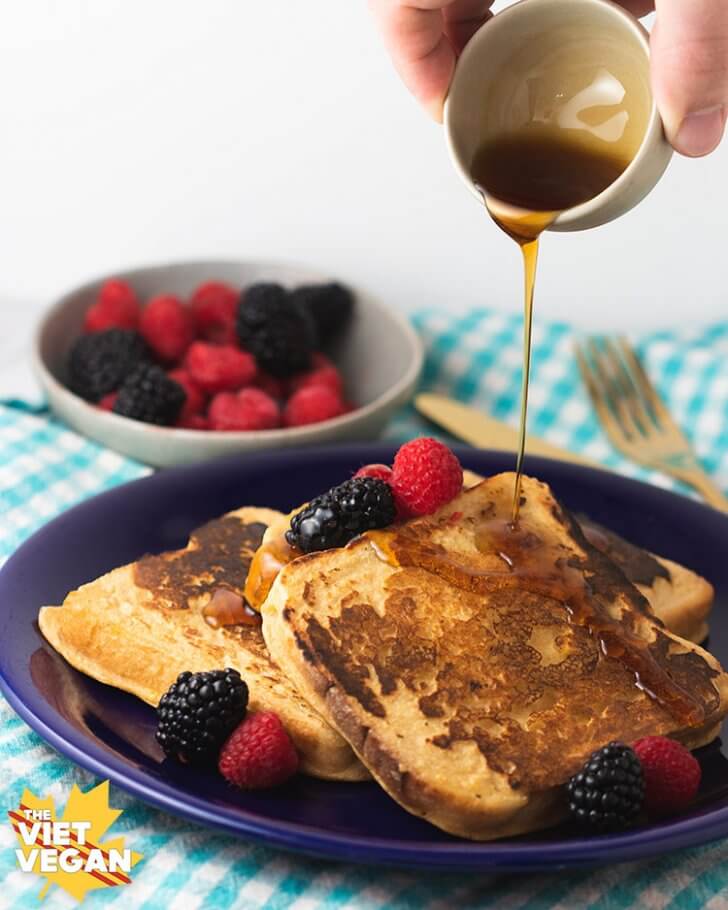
640 413
646 389
593 357
615 395
607 419
664 446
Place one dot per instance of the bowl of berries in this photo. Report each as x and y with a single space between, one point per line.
173 364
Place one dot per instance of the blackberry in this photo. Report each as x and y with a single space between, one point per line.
607 794
329 305
278 333
98 363
149 395
198 712
333 519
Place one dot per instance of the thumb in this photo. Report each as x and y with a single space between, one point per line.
690 72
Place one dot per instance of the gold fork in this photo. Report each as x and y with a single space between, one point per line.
635 418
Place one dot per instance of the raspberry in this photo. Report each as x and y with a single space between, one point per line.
425 476
312 405
166 326
672 774
219 368
258 753
193 422
249 409
276 388
107 402
213 307
195 397
116 307
275 330
149 395
322 373
380 471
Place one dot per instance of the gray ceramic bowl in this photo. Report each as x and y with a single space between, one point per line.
380 357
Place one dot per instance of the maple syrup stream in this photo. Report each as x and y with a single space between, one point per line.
527 180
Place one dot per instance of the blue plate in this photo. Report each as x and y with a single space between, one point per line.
112 733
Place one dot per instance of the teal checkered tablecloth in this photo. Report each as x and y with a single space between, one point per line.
44 468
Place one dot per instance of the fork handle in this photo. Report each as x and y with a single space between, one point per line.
707 489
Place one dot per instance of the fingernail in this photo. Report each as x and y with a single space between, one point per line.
435 108
700 132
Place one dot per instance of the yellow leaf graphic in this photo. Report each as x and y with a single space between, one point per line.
70 852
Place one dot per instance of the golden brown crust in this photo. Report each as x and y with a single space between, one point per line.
681 598
683 602
139 636
471 708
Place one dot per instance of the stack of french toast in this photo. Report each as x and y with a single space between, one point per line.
467 666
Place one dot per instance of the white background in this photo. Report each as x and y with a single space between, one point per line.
143 130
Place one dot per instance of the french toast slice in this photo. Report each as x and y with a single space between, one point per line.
139 626
681 598
474 669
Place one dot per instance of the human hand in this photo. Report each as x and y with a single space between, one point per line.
689 46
